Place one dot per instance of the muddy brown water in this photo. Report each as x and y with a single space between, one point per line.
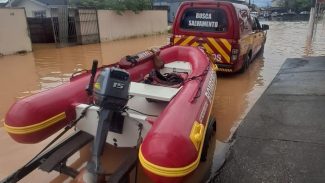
47 67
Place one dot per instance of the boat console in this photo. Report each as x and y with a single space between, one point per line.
161 93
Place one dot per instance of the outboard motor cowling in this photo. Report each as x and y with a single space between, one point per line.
111 90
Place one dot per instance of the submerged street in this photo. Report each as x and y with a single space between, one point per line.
48 66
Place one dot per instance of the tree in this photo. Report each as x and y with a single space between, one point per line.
302 5
296 5
118 5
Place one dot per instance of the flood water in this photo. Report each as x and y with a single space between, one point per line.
47 67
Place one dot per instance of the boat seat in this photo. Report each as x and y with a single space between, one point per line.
161 93
177 66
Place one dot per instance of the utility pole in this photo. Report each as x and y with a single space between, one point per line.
312 19
313 3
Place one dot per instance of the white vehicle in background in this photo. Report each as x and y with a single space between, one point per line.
304 13
254 14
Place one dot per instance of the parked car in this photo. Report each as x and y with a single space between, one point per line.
225 30
304 13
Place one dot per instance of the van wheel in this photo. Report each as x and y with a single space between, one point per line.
261 52
262 48
211 129
245 64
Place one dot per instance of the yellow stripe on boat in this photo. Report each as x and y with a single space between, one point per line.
36 127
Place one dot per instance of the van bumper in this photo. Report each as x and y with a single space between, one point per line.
225 67
232 67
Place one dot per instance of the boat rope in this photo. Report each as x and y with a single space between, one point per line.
139 141
200 78
205 72
132 59
126 108
169 79
67 128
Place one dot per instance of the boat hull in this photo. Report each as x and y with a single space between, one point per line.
35 118
172 148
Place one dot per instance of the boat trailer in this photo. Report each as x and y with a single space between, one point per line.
55 159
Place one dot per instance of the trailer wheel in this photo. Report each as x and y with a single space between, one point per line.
211 129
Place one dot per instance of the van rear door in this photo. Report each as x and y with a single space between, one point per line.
206 25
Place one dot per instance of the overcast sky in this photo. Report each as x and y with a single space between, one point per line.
261 2
257 2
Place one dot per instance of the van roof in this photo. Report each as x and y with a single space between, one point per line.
205 2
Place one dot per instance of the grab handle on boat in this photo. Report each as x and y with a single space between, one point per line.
78 73
197 134
92 78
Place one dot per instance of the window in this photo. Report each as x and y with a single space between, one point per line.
39 14
256 24
202 19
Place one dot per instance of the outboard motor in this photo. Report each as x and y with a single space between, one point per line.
111 90
111 94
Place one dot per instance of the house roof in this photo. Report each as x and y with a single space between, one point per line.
53 2
3 4
43 2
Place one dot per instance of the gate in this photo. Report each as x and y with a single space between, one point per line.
87 26
41 30
74 26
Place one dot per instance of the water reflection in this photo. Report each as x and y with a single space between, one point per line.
232 100
236 94
18 75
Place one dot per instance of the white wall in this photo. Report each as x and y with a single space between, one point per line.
113 26
14 35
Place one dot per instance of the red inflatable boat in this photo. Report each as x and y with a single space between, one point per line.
173 147
173 140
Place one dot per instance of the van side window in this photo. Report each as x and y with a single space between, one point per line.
202 19
243 19
256 24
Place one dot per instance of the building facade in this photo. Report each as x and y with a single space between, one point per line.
37 8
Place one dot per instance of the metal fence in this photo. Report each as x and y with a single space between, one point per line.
65 27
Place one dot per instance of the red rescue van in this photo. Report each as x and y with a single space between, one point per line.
225 30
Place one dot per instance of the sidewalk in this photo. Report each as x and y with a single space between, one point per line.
282 139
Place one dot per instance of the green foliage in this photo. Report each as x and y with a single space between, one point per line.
303 5
118 5
296 5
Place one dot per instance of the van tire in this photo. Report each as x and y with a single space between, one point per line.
245 64
261 51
